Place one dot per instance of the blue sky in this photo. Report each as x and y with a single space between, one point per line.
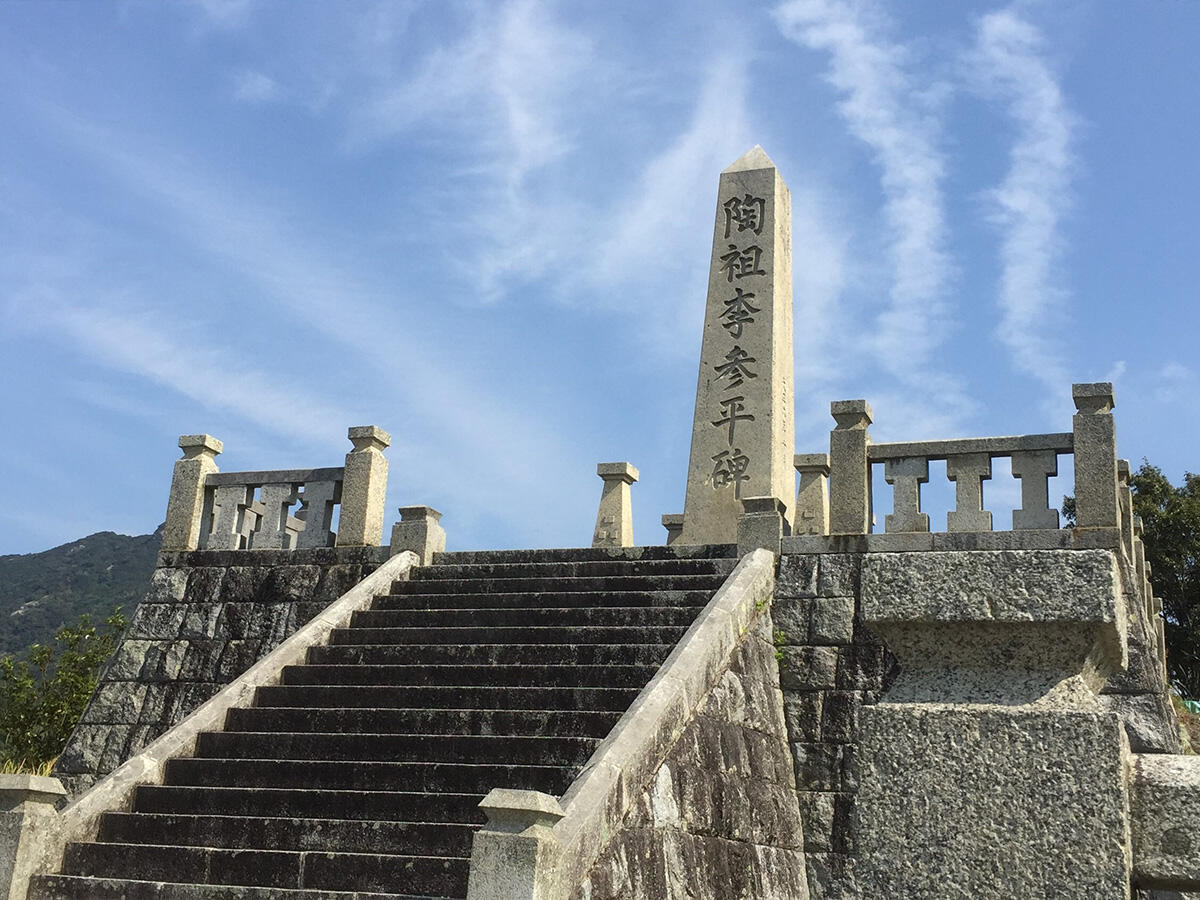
485 227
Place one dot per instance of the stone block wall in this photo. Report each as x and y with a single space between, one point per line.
206 618
721 812
830 666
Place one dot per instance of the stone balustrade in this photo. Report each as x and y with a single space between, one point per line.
288 509
1100 488
282 510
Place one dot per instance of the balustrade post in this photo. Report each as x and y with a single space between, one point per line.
364 488
1125 496
673 522
1035 468
185 507
812 497
30 830
1097 504
969 471
419 531
906 475
614 519
762 525
849 468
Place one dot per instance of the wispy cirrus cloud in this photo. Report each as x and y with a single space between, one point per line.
885 107
251 86
1009 63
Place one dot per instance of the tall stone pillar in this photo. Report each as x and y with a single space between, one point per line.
614 519
743 436
364 488
185 507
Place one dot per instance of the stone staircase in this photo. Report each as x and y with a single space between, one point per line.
359 775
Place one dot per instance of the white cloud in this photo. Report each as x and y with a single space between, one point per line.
255 87
1009 63
224 13
886 108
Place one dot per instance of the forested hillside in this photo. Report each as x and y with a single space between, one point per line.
39 592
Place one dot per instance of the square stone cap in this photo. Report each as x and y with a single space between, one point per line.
365 437
16 789
1094 396
852 412
760 505
811 462
200 442
627 472
413 513
513 810
672 520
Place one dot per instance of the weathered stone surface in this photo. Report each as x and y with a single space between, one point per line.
207 617
839 575
1165 806
797 577
718 809
743 436
954 796
808 668
832 620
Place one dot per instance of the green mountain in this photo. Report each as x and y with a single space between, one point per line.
39 592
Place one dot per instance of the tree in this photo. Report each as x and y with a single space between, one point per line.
43 695
1171 518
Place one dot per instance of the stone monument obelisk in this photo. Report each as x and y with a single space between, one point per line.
742 435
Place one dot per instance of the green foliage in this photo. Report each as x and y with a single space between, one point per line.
1171 518
43 695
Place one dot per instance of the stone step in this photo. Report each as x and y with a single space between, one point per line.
524 722
616 676
555 751
586 569
649 599
445 698
383 806
510 617
533 634
77 887
326 775
490 654
265 833
438 876
559 585
587 554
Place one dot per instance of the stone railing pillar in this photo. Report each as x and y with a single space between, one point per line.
185 508
1097 504
849 470
762 525
614 520
812 496
673 522
419 530
515 855
1125 496
906 476
364 489
29 830
969 471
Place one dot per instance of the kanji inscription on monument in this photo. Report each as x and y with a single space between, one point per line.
742 436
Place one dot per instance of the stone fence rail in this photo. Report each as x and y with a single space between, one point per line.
253 510
844 504
212 510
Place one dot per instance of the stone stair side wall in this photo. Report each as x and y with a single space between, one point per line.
79 819
830 666
207 617
708 789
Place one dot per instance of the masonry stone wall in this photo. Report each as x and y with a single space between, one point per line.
721 810
830 667
206 618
